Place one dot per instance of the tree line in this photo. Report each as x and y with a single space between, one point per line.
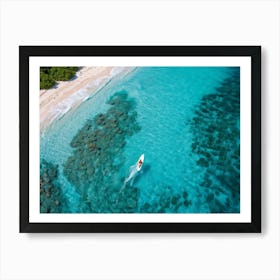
50 75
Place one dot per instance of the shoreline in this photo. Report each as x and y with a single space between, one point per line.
68 95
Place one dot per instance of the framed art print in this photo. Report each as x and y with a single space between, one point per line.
140 138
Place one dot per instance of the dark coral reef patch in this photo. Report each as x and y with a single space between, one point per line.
97 158
167 202
216 141
51 197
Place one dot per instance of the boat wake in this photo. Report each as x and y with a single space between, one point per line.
133 171
132 174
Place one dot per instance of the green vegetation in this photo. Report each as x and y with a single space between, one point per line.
50 75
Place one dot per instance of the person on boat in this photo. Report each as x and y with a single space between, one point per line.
140 163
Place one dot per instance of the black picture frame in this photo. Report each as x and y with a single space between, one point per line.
254 52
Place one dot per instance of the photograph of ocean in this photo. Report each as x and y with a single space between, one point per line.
140 140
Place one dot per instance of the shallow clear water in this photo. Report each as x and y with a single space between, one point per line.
186 122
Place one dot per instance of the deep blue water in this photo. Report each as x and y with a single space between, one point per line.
186 122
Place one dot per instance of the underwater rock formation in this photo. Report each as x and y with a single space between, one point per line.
51 198
167 202
216 141
94 166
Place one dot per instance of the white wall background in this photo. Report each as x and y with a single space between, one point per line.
139 256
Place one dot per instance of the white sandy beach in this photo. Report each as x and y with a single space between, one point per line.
55 102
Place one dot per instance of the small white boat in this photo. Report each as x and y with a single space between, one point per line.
140 163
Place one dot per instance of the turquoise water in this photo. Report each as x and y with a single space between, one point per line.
185 120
